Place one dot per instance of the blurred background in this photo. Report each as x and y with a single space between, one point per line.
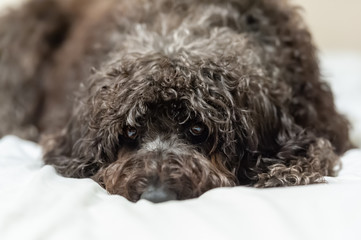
335 24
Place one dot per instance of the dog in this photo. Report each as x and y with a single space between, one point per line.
167 99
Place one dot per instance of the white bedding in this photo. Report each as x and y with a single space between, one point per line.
38 204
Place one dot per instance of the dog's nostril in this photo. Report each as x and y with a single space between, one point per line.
158 194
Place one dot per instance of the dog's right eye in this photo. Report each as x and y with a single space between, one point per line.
131 133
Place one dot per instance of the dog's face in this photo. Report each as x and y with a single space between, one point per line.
156 127
170 118
148 126
212 96
167 154
173 135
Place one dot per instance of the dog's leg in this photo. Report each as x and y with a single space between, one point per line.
29 36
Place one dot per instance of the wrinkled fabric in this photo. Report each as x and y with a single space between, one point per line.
36 203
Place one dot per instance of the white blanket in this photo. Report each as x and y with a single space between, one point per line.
38 204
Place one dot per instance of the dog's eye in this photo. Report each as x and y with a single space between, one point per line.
197 129
198 133
131 133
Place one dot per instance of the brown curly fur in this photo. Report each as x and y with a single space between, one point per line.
246 70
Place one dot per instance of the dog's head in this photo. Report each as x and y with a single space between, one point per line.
156 128
214 103
166 131
162 125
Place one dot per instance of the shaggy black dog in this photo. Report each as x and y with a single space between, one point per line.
167 99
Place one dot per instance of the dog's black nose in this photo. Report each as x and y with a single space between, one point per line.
158 194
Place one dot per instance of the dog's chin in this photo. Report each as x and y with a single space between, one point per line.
160 177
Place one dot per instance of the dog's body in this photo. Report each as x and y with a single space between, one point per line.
167 99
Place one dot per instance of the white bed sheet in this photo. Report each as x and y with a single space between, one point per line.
37 204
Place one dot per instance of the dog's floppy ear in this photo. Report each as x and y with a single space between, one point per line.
91 137
81 148
277 150
70 151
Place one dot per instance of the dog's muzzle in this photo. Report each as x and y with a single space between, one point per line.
158 194
163 171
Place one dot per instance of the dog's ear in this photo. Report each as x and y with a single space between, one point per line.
81 148
277 150
91 137
70 151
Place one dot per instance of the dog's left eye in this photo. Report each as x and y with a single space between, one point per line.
197 129
198 133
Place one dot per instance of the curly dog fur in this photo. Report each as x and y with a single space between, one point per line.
170 97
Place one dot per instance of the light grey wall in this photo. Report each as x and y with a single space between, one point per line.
336 24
